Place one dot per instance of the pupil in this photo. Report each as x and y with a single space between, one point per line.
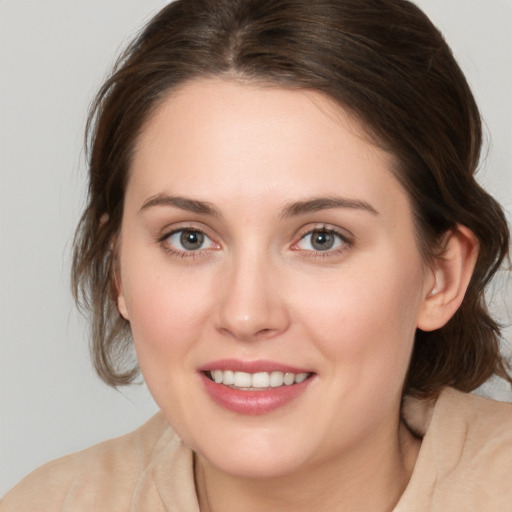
191 240
322 240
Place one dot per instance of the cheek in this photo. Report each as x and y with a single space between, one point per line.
164 310
164 319
366 314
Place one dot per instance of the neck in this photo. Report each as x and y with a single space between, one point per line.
371 478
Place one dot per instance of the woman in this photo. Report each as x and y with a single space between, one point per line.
283 216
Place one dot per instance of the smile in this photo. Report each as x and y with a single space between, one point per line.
254 392
255 381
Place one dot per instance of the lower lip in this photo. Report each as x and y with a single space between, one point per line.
253 402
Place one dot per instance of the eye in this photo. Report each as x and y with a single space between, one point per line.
322 239
188 240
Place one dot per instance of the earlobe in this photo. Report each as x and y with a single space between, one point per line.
121 306
452 272
119 294
117 291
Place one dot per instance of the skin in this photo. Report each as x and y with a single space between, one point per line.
258 289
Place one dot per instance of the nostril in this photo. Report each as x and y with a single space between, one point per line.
252 313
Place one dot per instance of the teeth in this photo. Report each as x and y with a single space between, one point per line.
289 378
228 377
276 379
300 377
242 380
260 380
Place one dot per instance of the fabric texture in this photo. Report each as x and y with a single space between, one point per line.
464 465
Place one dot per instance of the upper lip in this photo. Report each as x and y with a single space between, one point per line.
239 365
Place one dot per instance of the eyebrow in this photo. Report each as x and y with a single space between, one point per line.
326 203
183 203
291 210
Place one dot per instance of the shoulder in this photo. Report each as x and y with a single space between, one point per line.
477 423
104 473
465 416
465 461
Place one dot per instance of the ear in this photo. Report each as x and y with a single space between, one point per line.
117 290
121 301
452 272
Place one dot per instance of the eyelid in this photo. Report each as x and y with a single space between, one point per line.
173 229
205 238
170 229
344 233
346 237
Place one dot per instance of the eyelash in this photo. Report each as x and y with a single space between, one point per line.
169 249
345 241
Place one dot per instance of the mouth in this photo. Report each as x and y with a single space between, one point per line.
259 381
255 387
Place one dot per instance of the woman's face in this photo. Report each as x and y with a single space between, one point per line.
265 240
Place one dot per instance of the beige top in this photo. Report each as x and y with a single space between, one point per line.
465 464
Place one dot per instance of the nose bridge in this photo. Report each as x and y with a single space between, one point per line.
252 305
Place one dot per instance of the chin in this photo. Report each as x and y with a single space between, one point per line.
273 465
259 455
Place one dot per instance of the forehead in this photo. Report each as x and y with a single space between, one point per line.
229 140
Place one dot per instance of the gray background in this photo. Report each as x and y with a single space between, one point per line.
53 56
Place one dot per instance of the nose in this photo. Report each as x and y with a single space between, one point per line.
252 304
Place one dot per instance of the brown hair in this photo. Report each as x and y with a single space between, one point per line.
381 59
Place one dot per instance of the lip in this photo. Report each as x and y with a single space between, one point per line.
252 403
238 365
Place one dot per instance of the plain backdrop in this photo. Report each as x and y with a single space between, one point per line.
53 56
